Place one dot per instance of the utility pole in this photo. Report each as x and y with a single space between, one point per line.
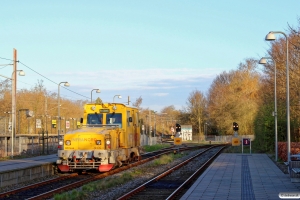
13 101
199 130
150 134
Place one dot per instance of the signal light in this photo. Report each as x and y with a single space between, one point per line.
178 128
235 126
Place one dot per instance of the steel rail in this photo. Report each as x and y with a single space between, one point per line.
169 171
6 194
77 184
193 176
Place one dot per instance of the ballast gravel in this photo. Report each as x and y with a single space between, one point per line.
149 172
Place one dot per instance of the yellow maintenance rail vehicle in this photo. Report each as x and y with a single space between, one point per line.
109 136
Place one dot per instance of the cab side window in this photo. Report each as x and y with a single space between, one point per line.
127 117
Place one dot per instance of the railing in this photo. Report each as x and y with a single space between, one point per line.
28 145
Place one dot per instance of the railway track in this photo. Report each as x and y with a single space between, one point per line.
41 187
172 183
47 189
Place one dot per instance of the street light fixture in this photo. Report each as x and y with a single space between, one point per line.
119 96
270 37
97 91
66 84
21 73
263 60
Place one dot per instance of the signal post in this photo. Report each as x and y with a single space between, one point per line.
177 138
235 139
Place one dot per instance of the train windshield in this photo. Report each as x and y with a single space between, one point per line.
114 118
95 118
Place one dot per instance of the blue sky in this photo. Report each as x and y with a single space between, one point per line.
159 50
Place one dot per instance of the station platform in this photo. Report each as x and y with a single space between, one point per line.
243 176
16 171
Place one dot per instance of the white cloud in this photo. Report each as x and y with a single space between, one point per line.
161 94
146 79
156 86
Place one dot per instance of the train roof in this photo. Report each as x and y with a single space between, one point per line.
109 103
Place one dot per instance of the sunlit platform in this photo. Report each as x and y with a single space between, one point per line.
242 176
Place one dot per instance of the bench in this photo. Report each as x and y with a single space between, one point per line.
296 170
296 156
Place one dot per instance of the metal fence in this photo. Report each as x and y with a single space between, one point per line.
221 138
30 125
36 144
228 138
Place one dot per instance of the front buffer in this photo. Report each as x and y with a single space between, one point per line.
105 167
63 168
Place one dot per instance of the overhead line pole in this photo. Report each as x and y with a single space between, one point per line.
13 101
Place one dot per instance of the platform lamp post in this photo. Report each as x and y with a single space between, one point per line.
119 96
97 91
66 84
263 60
270 37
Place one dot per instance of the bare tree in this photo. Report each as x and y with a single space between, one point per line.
138 102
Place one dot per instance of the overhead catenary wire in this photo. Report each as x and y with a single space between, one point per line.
6 59
43 76
53 81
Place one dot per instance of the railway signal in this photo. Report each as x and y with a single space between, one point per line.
178 128
235 126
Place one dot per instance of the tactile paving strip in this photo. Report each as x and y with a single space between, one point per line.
247 189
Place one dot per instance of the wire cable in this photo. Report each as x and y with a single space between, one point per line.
44 77
53 81
6 59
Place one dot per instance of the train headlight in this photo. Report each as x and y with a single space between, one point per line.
68 142
98 142
107 142
61 142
